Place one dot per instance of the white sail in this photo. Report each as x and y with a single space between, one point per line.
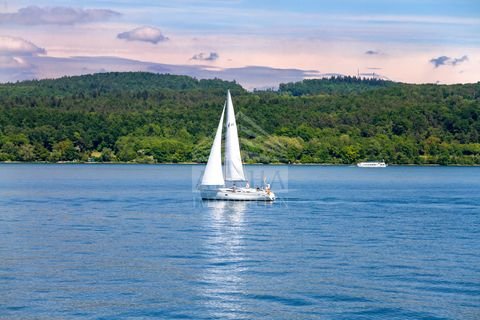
213 175
233 159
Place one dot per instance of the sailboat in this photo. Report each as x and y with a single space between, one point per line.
229 183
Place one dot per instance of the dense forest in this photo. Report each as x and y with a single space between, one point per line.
146 118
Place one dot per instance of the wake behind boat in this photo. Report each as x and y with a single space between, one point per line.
233 185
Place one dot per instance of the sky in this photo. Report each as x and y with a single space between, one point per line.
257 43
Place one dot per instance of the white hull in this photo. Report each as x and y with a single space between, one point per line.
371 165
238 194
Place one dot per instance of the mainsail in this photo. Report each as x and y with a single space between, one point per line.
233 159
213 175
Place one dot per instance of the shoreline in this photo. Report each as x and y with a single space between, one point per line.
245 164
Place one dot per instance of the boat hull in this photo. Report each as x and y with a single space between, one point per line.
241 194
371 165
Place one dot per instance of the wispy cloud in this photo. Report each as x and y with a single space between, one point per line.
413 19
34 15
145 34
447 61
202 56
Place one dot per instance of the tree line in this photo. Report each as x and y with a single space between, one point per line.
144 117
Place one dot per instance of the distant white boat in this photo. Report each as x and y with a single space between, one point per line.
372 164
233 185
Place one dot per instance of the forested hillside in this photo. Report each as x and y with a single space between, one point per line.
143 117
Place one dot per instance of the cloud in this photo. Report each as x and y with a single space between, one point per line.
459 60
41 67
9 62
146 34
205 57
13 46
447 61
15 55
440 61
34 15
372 52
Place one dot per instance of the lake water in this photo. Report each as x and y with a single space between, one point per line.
134 242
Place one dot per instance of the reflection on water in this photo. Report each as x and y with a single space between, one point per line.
224 247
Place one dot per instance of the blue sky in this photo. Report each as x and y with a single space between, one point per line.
416 7
410 41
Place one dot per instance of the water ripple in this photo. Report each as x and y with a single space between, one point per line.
134 242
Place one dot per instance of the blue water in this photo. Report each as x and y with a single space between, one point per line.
134 242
